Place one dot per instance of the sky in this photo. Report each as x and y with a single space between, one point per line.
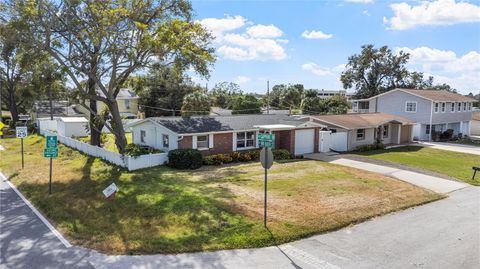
309 42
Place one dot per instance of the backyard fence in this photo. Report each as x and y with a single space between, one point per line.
129 162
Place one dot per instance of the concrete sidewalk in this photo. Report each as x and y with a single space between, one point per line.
433 183
451 147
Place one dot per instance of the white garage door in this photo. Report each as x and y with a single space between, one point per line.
304 141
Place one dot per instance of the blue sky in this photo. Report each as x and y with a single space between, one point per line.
258 41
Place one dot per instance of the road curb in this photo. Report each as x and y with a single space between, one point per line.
39 215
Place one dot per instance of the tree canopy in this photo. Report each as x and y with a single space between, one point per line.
246 104
107 41
196 103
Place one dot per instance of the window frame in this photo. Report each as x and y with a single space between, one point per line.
143 134
386 132
444 107
452 108
436 107
245 140
411 103
163 141
459 107
362 134
428 129
206 141
469 106
464 106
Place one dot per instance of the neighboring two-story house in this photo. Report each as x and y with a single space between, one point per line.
127 101
432 110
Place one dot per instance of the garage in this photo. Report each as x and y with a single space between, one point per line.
304 141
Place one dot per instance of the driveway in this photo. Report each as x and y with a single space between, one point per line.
451 147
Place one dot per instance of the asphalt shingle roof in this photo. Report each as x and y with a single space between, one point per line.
224 123
360 121
440 96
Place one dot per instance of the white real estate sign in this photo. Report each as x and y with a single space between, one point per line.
110 190
21 131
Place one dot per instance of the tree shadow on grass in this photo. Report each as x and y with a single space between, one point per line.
156 210
399 149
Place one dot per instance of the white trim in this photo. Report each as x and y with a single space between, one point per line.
210 140
411 102
234 141
399 134
194 141
443 107
39 215
431 119
452 103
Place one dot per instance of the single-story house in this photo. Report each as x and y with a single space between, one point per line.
223 134
348 131
298 134
72 126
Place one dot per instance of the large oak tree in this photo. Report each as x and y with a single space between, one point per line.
105 42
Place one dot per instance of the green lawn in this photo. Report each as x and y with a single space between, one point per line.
109 142
160 210
454 164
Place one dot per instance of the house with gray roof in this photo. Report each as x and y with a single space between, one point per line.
432 110
299 134
223 134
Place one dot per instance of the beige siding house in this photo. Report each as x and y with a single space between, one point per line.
127 101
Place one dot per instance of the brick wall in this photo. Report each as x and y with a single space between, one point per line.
222 143
185 143
285 140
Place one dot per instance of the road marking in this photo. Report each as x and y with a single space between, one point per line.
307 257
39 215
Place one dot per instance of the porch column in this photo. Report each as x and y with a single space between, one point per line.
399 133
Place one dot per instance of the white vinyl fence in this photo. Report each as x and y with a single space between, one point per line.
129 162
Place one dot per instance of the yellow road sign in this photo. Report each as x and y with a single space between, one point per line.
1 127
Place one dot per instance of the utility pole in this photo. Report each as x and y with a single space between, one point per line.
268 97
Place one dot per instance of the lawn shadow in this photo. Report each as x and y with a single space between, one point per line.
380 151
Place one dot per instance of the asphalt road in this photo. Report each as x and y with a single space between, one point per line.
26 242
442 234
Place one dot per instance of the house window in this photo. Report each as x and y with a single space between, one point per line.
411 107
427 129
165 140
245 140
360 134
453 107
202 141
385 131
127 104
469 106
443 107
464 106
459 106
436 107
143 134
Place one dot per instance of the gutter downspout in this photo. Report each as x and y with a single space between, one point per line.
431 119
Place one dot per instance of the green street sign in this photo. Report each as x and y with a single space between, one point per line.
266 140
50 153
52 141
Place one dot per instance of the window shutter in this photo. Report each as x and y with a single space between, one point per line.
194 142
234 141
210 140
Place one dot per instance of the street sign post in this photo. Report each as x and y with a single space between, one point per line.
266 142
51 151
21 132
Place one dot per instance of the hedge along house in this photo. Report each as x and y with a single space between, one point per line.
347 132
224 134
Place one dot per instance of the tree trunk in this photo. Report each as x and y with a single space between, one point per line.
12 105
95 128
117 126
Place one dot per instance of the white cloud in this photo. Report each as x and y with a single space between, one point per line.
316 69
316 35
460 72
366 13
219 26
257 42
242 79
440 12
360 1
243 47
264 31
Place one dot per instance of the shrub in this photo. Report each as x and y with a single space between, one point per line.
281 154
235 155
447 135
370 147
211 160
135 150
185 158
